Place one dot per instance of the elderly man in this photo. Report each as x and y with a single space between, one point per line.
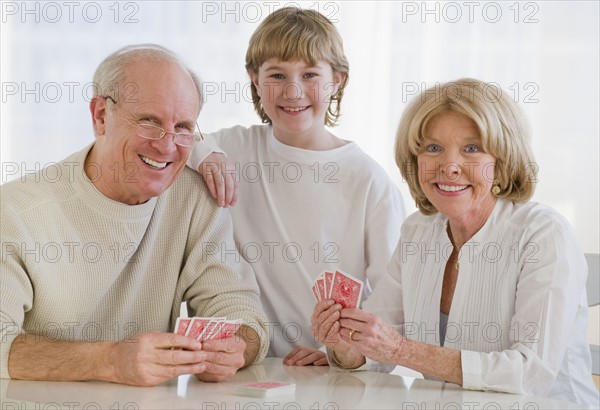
95 265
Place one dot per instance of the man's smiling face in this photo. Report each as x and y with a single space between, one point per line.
158 93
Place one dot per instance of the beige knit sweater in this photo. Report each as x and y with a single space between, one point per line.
79 266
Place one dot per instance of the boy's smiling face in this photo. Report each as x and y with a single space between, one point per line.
295 95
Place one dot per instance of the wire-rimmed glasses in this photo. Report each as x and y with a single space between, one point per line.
154 132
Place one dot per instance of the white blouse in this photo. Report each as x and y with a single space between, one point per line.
519 311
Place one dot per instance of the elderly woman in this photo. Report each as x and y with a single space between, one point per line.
486 289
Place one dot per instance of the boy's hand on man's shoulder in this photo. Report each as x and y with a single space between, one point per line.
221 178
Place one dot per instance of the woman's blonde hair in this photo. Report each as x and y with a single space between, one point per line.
502 126
290 34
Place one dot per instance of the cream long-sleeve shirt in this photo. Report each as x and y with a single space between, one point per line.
79 266
301 212
519 311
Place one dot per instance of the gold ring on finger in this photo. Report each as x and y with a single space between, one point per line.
351 333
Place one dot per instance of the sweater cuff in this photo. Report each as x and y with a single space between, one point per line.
258 325
471 370
263 336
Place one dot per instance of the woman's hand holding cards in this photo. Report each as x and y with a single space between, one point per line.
336 292
370 335
327 330
326 326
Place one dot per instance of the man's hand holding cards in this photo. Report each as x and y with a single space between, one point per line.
224 353
339 286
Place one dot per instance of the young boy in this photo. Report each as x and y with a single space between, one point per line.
308 200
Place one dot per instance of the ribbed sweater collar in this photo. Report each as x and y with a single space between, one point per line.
107 207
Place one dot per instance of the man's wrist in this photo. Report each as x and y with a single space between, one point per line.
103 363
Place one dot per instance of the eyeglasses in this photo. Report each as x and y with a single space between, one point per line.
154 132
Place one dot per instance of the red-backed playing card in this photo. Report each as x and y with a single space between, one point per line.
328 276
321 288
346 290
265 389
181 325
227 330
197 327
215 324
315 291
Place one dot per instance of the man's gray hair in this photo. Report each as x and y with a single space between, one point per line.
109 78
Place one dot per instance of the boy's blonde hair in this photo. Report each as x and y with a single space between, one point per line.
290 34
502 126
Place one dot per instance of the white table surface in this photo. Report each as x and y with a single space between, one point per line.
317 388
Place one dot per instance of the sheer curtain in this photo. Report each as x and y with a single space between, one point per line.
545 54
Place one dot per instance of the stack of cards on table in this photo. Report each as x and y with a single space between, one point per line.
339 286
265 389
206 328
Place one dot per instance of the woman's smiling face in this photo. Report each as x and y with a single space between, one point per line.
455 173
